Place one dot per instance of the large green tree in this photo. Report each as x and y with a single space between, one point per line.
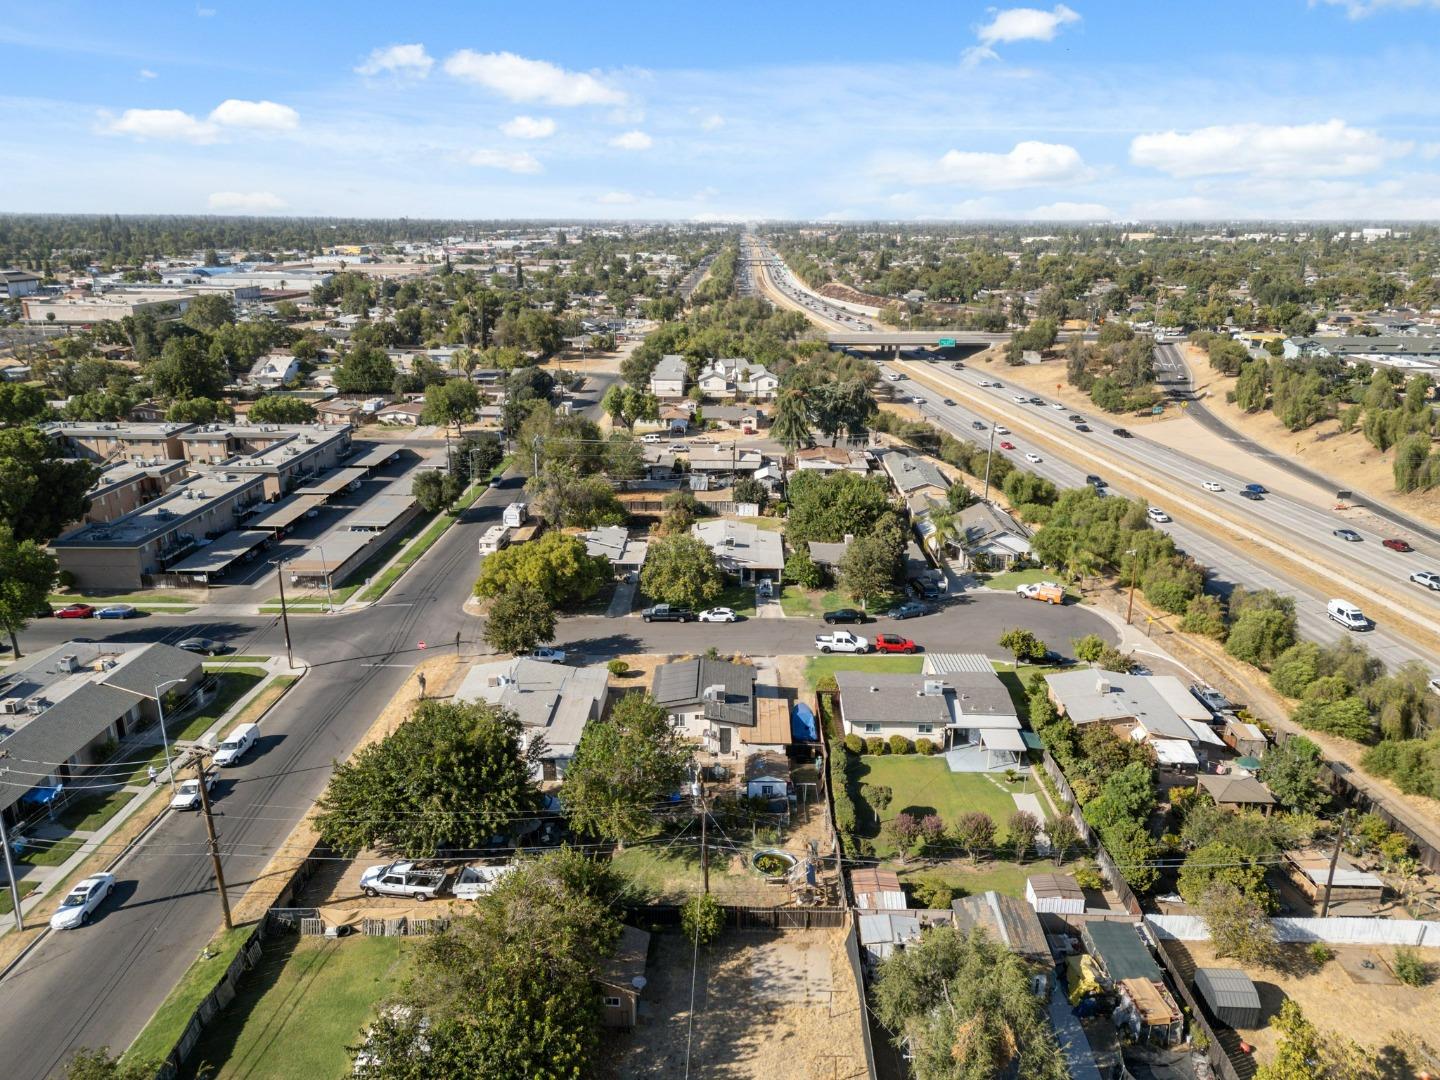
27 572
453 402
1291 770
365 369
435 489
870 566
827 508
681 569
790 426
555 564
451 775
623 768
519 620
22 403
562 496
40 492
281 409
627 406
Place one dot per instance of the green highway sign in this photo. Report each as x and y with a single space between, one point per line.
947 342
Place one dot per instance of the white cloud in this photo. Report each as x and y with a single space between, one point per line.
508 160
1029 164
246 202
258 115
170 124
520 79
1018 24
205 12
632 140
1359 9
1071 211
1333 148
712 122
616 198
411 61
529 127
146 73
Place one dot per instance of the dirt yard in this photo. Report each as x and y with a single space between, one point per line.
767 1006
1365 1004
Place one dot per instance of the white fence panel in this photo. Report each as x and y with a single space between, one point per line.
1333 931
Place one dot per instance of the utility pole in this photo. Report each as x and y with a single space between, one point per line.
535 454
1341 830
988 458
10 863
1134 573
284 616
704 834
214 841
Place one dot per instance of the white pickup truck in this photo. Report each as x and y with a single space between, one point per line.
402 879
476 881
842 641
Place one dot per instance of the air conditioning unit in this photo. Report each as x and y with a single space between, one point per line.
11 705
1102 685
69 662
714 693
107 663
933 688
35 705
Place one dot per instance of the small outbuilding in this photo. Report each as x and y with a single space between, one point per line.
1059 893
1230 995
878 890
1245 739
622 979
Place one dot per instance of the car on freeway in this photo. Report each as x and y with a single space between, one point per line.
1349 535
1429 578
717 614
1258 489
1082 427
919 401
1094 481
1021 399
1007 446
1123 433
910 609
949 401
1394 543
846 615
978 425
958 366
1001 429
1211 485
1253 496
117 611
1037 401
893 377
76 611
208 646
1033 458
546 655
1058 407
1075 418
82 901
187 793
667 613
1156 514
894 643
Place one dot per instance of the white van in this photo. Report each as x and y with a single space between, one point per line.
1347 615
237 744
651 437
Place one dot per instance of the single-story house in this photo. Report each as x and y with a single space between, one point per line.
743 548
828 555
405 412
708 700
1059 893
878 890
831 459
1160 704
1008 920
552 700
995 537
886 703
273 370
626 554
339 411
669 378
912 473
1237 792
747 419
622 979
985 717
726 460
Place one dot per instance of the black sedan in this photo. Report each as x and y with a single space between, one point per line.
846 615
208 646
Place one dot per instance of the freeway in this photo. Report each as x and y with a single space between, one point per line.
99 986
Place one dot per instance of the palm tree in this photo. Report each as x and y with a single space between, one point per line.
791 427
1082 563
947 527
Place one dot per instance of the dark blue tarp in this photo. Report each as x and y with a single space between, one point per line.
802 723
42 796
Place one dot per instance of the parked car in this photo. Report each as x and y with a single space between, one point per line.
76 611
1122 433
1046 591
1156 514
1211 698
842 641
1211 485
117 611
652 437
717 614
402 879
1349 535
473 882
893 643
1429 578
910 609
236 745
1055 659
667 613
1394 543
926 590
82 901
547 655
846 615
208 646
187 793
42 611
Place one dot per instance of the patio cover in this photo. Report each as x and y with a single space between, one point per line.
1174 752
1001 739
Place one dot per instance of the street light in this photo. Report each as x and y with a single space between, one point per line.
164 738
1134 573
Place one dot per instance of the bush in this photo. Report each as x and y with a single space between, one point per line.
701 919
924 746
65 579
1321 954
617 667
1409 968
899 744
854 743
932 893
876 744
1087 877
878 796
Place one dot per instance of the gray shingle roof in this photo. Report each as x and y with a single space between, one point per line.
684 683
871 697
153 666
63 729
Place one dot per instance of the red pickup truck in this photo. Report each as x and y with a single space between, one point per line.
893 643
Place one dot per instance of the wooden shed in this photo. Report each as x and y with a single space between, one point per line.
1247 740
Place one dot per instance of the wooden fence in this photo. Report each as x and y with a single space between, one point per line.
1226 1057
221 995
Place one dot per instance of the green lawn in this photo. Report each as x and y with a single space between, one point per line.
89 813
967 880
670 873
925 785
1007 581
1015 681
740 598
817 667
247 659
51 852
301 1007
798 603
7 905
769 524
168 1024
139 599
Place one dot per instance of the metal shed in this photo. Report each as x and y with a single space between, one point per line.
1230 995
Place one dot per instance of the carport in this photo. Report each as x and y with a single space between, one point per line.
334 483
373 457
220 555
285 513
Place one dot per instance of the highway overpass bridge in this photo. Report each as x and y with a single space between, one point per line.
890 341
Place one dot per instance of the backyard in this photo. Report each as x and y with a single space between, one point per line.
301 1007
922 785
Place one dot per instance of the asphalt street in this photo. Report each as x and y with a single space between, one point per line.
98 986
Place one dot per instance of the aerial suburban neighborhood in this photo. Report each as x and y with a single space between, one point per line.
613 557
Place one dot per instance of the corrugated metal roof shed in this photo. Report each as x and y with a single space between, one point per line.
1231 995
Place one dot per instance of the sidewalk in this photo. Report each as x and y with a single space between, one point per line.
47 878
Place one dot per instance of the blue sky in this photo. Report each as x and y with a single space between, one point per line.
793 110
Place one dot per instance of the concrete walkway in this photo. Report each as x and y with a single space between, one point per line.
1073 1043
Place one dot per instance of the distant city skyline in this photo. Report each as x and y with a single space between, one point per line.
1283 109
